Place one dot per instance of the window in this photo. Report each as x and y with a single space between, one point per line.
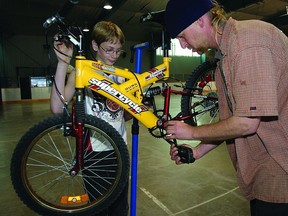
40 81
176 50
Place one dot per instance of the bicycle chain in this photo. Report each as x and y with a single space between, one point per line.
161 129
151 131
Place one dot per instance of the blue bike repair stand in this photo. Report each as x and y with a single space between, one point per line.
135 133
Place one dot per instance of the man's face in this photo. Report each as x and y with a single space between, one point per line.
193 38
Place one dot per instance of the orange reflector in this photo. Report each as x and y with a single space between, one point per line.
74 199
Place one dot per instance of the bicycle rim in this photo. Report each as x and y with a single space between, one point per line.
44 156
201 82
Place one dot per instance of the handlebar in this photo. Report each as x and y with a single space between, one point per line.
66 33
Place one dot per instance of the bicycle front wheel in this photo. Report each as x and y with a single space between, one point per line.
42 161
202 104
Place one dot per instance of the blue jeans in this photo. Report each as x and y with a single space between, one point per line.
261 208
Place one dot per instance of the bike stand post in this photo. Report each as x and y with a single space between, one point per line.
135 134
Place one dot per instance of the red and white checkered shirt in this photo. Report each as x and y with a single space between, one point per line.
255 67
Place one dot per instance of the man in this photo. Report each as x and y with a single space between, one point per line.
251 80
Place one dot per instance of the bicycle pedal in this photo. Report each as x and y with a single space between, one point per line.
186 154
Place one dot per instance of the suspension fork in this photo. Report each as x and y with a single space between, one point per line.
78 114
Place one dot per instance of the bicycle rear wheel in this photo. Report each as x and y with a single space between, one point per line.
44 156
201 82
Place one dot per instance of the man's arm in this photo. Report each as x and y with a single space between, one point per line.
225 129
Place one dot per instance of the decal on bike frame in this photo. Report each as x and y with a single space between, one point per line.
105 86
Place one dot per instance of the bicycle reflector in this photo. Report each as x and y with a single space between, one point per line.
74 199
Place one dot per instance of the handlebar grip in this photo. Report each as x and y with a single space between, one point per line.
61 13
156 16
50 21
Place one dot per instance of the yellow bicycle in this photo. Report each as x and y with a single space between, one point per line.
53 169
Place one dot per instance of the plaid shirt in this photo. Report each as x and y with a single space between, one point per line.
255 68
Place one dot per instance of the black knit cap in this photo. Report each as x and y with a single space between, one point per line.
179 14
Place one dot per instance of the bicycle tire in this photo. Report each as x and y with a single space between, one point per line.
40 169
202 79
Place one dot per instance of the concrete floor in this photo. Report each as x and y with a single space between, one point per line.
207 187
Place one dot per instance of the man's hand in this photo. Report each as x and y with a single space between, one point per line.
182 154
178 130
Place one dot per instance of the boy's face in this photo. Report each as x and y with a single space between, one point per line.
108 52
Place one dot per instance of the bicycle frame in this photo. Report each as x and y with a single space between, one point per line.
128 94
